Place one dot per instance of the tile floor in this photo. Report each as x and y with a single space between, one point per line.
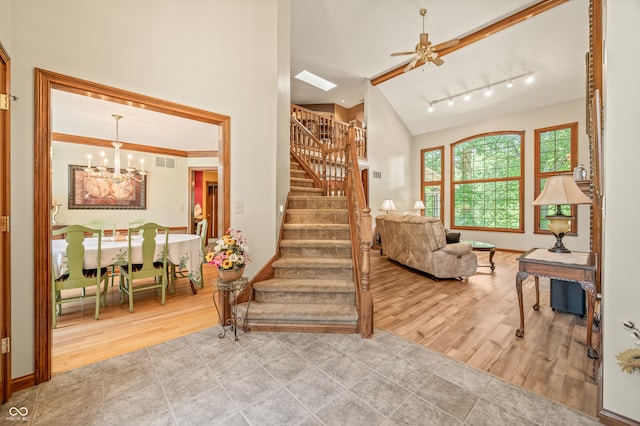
283 379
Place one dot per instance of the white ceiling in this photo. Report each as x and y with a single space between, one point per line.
350 42
90 117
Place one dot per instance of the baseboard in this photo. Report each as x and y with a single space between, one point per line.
612 419
24 382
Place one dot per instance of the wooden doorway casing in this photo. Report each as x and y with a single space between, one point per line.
5 236
212 209
45 81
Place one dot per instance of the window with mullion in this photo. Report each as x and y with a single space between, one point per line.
487 182
556 150
432 182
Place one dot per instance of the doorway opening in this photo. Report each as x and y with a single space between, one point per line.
46 81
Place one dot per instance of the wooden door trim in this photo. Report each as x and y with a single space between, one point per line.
45 81
5 237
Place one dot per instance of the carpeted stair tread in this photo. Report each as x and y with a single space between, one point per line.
315 243
304 285
324 226
302 189
300 312
312 263
316 211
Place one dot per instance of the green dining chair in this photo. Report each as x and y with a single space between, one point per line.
102 225
138 222
76 277
149 268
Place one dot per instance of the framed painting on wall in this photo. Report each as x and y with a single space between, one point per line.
98 192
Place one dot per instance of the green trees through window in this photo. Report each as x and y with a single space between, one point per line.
487 182
432 181
555 153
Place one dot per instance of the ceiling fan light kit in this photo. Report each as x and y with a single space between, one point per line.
425 52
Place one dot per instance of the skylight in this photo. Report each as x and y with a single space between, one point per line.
314 80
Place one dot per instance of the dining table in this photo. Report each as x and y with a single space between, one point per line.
184 251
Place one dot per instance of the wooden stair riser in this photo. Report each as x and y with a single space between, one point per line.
305 297
317 216
311 232
317 203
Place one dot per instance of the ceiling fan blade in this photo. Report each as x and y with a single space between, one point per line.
424 39
446 44
403 53
410 65
437 61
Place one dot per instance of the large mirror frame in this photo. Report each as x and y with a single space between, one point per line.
45 81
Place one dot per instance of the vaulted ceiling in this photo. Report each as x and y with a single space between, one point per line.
350 43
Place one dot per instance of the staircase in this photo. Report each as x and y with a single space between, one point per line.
312 288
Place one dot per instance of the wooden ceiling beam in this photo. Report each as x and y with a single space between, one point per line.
516 18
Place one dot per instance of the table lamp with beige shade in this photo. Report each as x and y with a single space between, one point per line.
388 205
560 190
418 207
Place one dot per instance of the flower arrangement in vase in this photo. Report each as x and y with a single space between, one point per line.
230 255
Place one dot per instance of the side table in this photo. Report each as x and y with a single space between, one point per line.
482 246
231 289
576 266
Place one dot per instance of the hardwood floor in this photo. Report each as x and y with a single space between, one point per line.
473 321
81 340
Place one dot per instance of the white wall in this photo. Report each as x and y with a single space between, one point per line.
192 53
167 189
566 112
389 151
621 292
5 28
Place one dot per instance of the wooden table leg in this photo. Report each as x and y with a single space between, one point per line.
591 301
537 305
519 277
493 265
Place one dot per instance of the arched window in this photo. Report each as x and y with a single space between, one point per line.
487 182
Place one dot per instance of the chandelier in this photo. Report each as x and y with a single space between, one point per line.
117 176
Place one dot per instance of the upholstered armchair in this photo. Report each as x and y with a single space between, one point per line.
421 243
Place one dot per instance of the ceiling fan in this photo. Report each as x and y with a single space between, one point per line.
424 51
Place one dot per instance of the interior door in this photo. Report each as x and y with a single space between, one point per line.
5 236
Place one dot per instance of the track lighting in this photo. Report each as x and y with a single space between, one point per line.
488 90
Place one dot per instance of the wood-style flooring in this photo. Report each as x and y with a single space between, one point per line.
473 321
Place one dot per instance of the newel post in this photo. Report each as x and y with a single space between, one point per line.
366 306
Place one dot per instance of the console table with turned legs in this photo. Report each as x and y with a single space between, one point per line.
576 266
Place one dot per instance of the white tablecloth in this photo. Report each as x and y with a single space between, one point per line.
185 250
